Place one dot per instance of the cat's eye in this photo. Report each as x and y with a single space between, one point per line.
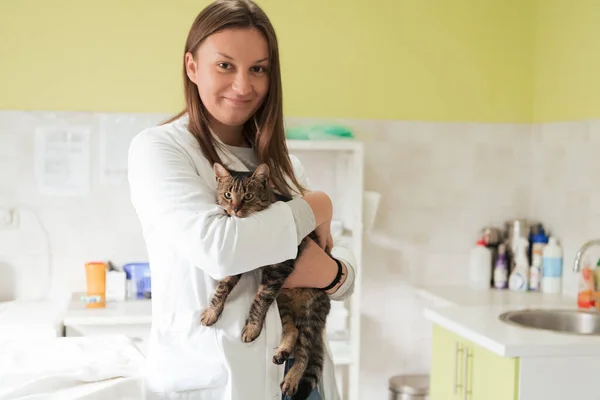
227 195
248 196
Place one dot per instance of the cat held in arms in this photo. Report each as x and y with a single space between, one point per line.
303 311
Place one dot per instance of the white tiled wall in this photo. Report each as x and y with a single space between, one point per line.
101 226
564 191
440 184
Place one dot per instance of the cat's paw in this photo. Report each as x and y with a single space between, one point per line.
250 332
289 386
280 357
209 316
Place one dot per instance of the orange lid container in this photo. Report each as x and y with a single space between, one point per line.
95 274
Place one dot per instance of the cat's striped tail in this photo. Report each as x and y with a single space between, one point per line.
314 367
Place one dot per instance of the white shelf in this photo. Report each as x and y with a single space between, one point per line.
341 351
337 167
117 312
325 145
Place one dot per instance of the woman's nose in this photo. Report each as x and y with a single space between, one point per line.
242 84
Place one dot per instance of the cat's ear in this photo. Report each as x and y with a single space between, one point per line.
221 171
261 172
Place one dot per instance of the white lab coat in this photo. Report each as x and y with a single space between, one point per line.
191 244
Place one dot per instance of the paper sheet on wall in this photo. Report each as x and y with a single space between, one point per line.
115 136
62 160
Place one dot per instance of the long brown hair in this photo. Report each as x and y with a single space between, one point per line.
264 131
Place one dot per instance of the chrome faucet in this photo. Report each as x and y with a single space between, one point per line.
583 249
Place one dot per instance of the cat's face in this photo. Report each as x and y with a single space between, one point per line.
242 196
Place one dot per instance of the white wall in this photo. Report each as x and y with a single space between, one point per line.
440 183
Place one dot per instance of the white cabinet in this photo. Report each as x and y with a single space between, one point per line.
559 378
129 318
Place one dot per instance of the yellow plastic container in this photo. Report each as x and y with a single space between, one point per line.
95 274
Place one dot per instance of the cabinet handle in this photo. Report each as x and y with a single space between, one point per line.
467 355
457 351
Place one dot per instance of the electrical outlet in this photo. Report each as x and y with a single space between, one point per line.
9 218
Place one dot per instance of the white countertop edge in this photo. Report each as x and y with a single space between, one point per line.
107 320
429 295
583 346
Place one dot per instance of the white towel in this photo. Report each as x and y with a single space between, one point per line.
33 368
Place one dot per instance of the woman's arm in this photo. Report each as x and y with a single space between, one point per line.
315 269
313 258
172 199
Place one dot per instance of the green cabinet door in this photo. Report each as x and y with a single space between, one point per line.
490 376
462 370
446 365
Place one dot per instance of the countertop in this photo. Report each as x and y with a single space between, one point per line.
474 315
465 296
117 312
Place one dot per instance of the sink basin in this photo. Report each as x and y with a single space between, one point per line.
576 322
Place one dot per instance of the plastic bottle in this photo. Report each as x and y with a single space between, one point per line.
95 274
552 267
501 269
585 295
518 280
539 241
480 266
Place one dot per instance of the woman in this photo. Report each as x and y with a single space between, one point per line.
233 116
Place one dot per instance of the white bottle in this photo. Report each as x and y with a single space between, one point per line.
535 271
480 267
552 267
535 277
519 277
501 269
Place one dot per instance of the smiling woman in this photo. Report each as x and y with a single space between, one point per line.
233 118
237 84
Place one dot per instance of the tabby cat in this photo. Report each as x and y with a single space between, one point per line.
303 311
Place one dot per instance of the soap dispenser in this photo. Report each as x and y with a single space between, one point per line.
519 277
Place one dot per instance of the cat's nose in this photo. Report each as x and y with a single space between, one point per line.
236 209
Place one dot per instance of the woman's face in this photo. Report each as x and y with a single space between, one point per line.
230 69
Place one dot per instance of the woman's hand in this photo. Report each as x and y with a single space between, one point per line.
314 269
322 208
325 240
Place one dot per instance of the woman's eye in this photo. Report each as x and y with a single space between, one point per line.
224 65
258 69
248 196
227 195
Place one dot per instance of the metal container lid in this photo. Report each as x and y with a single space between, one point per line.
410 384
